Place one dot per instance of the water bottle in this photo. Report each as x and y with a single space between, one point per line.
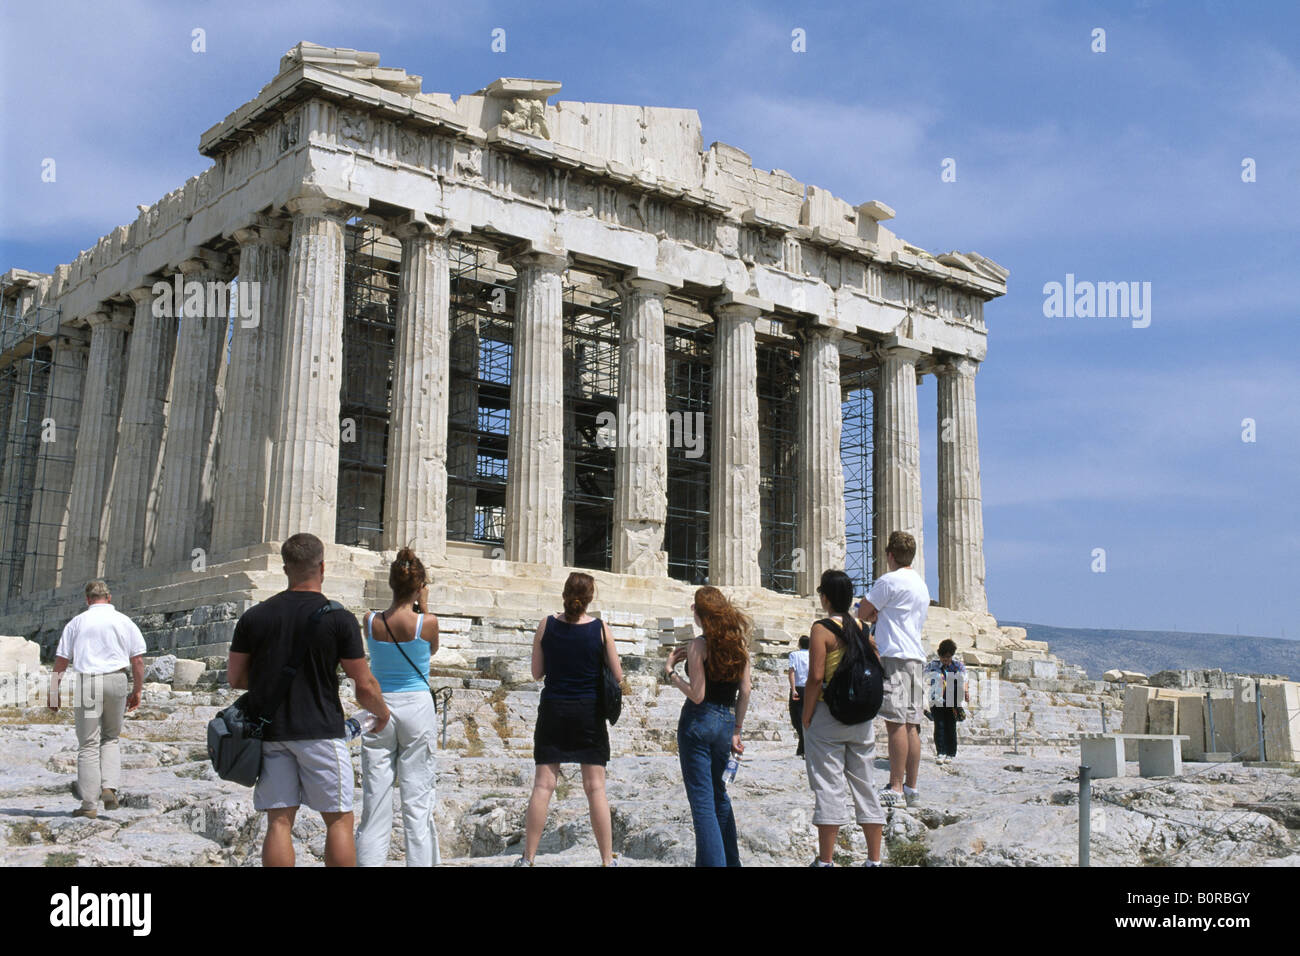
733 764
362 722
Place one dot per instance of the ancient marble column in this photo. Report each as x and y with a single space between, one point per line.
961 518
248 417
898 448
21 426
140 434
47 524
820 509
462 442
415 483
96 445
535 446
641 452
185 495
734 526
303 487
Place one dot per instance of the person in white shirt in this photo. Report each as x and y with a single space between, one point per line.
102 645
797 672
897 604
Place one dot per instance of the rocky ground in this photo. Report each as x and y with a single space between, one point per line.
988 808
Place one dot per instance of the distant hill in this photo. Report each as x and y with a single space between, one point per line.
1098 650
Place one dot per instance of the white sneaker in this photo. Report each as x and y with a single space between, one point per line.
910 796
889 797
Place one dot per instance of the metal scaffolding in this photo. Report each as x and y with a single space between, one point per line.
371 280
778 389
688 372
591 359
39 414
482 328
857 457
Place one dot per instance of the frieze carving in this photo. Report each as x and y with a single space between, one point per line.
354 129
289 133
470 165
528 116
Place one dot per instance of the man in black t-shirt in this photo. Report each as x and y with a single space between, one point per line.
304 752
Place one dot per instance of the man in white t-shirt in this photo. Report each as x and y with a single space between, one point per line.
102 645
897 604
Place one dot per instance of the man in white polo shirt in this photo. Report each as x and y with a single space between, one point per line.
897 604
102 645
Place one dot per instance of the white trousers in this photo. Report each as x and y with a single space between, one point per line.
404 752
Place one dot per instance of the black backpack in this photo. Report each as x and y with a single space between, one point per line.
855 691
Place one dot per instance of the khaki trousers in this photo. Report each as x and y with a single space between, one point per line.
98 710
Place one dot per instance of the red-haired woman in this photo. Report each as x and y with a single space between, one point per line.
567 652
708 732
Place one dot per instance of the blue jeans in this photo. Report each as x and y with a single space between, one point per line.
703 745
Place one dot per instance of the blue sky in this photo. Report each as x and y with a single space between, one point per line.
1115 166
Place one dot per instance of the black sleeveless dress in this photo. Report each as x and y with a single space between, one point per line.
570 728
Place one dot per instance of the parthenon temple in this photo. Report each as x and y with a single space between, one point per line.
519 334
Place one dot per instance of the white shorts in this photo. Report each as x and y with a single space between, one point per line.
315 773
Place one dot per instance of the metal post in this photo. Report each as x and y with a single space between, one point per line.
1103 716
1259 718
445 694
1209 710
1085 814
1015 732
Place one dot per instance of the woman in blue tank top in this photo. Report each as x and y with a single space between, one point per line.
567 652
401 640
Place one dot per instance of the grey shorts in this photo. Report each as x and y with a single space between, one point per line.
839 762
314 773
904 691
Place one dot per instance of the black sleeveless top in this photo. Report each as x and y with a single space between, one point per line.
718 691
572 655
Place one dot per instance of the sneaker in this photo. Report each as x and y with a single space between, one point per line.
889 797
523 861
911 796
110 799
817 862
871 864
613 861
88 814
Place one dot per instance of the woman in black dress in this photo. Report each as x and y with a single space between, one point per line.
567 651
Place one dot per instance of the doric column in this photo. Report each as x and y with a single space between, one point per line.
961 518
415 484
535 447
47 524
898 448
139 440
248 417
303 488
641 451
820 510
24 388
185 495
462 441
735 531
96 445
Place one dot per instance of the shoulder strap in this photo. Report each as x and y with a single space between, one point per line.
832 626
294 664
397 644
